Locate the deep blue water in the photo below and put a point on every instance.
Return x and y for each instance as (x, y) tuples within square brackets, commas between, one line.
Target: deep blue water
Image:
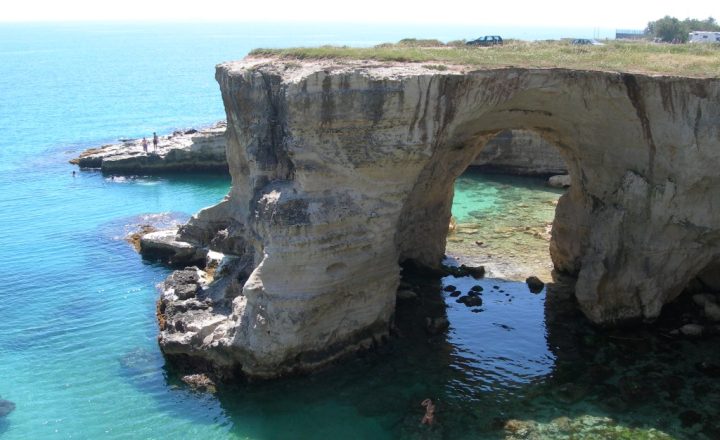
[(78, 352)]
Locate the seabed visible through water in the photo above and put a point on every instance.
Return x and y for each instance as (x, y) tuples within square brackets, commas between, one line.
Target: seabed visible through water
[(503, 223)]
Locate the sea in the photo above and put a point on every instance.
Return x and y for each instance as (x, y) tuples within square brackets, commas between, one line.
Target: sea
[(78, 337)]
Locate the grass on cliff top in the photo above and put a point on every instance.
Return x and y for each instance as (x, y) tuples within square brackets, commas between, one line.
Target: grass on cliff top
[(694, 60)]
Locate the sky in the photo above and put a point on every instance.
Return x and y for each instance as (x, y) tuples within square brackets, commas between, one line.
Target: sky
[(537, 13)]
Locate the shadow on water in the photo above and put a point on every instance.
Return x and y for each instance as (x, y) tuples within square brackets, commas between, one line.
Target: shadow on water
[(505, 369), (516, 363)]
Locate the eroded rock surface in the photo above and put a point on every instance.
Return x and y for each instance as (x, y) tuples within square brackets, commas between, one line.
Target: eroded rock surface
[(189, 150), (164, 245), (341, 171), (520, 152)]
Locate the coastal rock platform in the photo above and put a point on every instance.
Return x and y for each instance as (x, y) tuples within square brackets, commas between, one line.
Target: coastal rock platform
[(188, 150), (341, 171)]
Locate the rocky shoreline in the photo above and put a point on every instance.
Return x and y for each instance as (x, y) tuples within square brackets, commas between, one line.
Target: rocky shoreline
[(183, 150)]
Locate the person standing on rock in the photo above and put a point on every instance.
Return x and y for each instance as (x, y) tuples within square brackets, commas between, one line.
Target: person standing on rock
[(144, 144), (155, 141)]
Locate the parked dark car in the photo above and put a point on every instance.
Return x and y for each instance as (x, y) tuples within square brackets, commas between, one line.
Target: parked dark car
[(487, 40), (586, 41)]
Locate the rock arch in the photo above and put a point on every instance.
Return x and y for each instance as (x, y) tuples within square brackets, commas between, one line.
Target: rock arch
[(342, 171)]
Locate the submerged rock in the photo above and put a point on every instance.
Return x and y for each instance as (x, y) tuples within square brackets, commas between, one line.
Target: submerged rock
[(583, 427), (200, 382), (470, 301), (690, 418), (436, 325), (6, 407), (406, 294), (571, 392), (709, 369)]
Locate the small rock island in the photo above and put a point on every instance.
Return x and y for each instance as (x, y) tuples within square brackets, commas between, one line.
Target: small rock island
[(343, 170)]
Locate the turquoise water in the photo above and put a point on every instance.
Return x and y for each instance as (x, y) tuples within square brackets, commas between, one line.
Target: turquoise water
[(511, 216), (78, 352)]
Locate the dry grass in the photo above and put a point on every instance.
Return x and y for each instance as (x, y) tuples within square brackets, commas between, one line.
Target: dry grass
[(693, 60)]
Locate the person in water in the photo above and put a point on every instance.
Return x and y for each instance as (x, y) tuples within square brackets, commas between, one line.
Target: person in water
[(155, 141), (429, 417), (144, 144)]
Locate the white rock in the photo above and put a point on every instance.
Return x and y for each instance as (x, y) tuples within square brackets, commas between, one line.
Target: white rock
[(561, 181), (691, 330)]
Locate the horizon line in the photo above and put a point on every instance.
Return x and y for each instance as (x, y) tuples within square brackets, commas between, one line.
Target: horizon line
[(308, 22)]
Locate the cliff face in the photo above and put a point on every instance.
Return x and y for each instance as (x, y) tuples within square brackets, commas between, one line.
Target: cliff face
[(342, 171), (520, 152)]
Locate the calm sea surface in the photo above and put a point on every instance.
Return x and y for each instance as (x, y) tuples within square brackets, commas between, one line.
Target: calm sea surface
[(78, 352)]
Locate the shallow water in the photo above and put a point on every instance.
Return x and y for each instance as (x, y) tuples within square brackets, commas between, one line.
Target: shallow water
[(78, 351), (503, 223)]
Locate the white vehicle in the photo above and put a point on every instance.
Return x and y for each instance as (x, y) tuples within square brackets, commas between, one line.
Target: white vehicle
[(704, 37)]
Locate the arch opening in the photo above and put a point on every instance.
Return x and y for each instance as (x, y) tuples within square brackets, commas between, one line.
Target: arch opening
[(504, 206)]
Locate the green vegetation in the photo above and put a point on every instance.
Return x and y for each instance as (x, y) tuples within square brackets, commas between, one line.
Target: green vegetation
[(669, 29), (695, 60)]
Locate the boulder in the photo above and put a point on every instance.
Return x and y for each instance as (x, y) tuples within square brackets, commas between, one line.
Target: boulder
[(165, 246), (535, 284), (470, 301), (184, 283), (561, 181)]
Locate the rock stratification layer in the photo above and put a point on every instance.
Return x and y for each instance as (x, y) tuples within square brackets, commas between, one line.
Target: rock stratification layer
[(520, 152), (341, 171)]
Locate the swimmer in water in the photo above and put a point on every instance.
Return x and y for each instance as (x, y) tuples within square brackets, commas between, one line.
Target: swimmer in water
[(429, 417)]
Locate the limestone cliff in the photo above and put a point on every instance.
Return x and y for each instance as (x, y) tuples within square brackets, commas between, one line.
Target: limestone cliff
[(520, 152), (341, 171), (512, 152)]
